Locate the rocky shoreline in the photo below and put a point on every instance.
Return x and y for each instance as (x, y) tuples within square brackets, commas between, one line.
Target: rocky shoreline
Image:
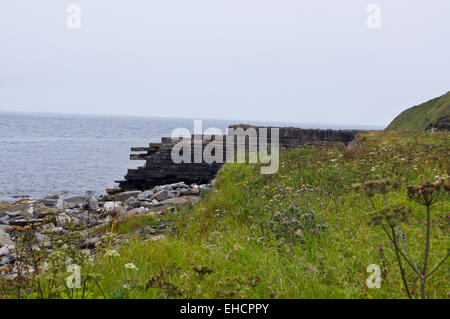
[(52, 217)]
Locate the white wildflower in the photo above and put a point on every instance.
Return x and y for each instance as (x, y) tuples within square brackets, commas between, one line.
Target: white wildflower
[(112, 253), (131, 266)]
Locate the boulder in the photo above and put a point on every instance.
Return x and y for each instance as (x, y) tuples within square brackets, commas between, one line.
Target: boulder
[(24, 222), (175, 201), (76, 200), (49, 202), (90, 243), (5, 239), (130, 201), (4, 251), (155, 202), (110, 206), (172, 194), (179, 185), (14, 214), (43, 240), (161, 195), (60, 206), (63, 220), (55, 196), (5, 220), (145, 195), (126, 195), (93, 204)]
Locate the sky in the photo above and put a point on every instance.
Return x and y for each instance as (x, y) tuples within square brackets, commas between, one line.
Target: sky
[(275, 60)]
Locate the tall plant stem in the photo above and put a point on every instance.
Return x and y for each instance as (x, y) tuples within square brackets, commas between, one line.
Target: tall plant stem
[(400, 263), (425, 260)]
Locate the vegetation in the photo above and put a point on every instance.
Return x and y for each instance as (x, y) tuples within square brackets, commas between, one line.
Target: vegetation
[(309, 231), (432, 114)]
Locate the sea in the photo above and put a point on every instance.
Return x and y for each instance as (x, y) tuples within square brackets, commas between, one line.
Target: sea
[(46, 154)]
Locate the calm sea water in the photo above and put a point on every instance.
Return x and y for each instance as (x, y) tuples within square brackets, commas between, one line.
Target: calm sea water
[(42, 154)]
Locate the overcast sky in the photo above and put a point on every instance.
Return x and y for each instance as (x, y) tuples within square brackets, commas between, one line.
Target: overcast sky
[(287, 60)]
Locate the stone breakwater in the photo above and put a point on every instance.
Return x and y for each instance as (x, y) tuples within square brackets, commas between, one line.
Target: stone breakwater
[(160, 169), (51, 218)]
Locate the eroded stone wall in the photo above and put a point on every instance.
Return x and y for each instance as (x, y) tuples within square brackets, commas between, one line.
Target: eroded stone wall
[(159, 169)]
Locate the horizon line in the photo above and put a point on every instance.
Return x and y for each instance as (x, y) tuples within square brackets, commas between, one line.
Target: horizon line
[(372, 126)]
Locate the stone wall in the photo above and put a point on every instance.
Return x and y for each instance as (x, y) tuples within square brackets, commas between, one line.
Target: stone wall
[(159, 169)]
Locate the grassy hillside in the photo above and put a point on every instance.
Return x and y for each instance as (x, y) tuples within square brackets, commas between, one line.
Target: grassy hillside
[(434, 113), (304, 232)]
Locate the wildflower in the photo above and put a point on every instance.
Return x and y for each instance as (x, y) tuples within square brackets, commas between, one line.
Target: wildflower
[(112, 253), (299, 233), (131, 266)]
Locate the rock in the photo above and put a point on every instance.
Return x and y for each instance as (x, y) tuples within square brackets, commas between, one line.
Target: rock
[(160, 196), (172, 194), (60, 206), (75, 221), (4, 251), (76, 200), (126, 195), (353, 144), (55, 196), (87, 219), (57, 231), (47, 227), (147, 204), (175, 201), (110, 206), (89, 194), (63, 220), (155, 202), (43, 240), (130, 201), (90, 243), (206, 186), (5, 220), (14, 214), (145, 195), (158, 237), (113, 191), (24, 222), (5, 239), (46, 213), (179, 185), (136, 204), (93, 204), (105, 198), (162, 188), (194, 190), (49, 202), (139, 210)]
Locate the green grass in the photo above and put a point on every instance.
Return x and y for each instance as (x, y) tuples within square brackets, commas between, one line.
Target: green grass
[(420, 117), (135, 223), (225, 246), (227, 232)]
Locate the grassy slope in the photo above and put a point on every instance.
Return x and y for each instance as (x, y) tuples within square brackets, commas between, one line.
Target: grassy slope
[(420, 116), (227, 233)]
